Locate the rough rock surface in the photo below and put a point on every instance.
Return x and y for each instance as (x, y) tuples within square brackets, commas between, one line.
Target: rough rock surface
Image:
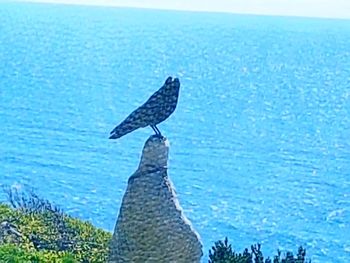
[(151, 226)]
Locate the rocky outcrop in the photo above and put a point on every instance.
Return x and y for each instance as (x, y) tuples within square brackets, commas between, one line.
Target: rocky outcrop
[(9, 233), (151, 226)]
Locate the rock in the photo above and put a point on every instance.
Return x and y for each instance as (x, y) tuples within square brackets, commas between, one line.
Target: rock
[(9, 233), (151, 226)]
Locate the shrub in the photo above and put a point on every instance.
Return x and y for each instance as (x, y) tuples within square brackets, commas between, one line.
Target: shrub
[(34, 230), (222, 252)]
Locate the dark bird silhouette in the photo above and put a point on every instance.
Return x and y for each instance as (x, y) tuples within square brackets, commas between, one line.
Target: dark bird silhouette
[(154, 111)]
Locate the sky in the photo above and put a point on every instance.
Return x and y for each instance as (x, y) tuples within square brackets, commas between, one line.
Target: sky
[(307, 8)]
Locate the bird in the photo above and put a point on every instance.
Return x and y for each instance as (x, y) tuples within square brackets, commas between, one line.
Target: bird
[(154, 111)]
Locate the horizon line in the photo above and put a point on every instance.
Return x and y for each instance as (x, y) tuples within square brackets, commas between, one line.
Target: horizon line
[(218, 11)]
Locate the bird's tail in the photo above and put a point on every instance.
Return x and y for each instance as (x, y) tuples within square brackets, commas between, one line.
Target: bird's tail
[(122, 129)]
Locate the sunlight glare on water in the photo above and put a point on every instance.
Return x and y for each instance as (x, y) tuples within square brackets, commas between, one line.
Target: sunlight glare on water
[(259, 142)]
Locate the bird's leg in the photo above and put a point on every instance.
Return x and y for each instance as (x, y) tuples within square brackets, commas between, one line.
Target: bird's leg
[(156, 130), (159, 133)]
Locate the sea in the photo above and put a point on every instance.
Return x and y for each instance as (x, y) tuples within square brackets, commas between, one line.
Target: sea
[(259, 142)]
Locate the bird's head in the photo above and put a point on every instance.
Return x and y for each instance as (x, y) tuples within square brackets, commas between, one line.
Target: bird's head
[(176, 82), (171, 83)]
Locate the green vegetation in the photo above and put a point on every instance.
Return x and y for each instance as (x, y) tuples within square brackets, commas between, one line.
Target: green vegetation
[(222, 252), (12, 253), (34, 230)]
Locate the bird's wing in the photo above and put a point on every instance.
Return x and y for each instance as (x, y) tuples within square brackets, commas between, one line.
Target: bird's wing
[(144, 115)]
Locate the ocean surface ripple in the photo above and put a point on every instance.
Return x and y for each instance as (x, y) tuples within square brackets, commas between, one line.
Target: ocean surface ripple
[(260, 148)]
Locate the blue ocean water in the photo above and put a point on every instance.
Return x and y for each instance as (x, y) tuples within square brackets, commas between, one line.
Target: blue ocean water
[(260, 148)]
